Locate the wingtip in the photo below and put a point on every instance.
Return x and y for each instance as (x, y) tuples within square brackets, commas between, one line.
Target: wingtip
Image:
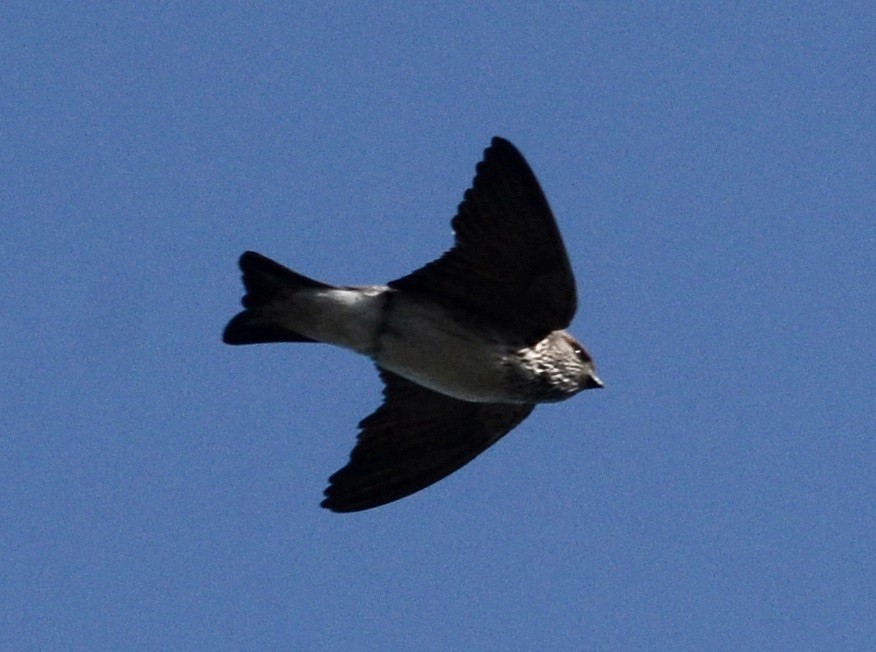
[(500, 142), (339, 506), (326, 503)]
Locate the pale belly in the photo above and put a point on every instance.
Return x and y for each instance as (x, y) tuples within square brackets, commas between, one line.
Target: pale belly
[(423, 344)]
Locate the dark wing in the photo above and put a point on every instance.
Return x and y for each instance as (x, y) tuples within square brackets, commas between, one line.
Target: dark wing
[(508, 263), (416, 438)]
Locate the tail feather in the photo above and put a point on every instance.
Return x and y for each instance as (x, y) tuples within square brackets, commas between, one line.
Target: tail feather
[(267, 284)]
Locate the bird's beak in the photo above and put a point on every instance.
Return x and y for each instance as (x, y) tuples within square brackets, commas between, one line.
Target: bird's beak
[(593, 382)]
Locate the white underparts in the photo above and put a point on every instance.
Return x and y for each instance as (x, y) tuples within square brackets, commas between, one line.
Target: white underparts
[(349, 318), (417, 339)]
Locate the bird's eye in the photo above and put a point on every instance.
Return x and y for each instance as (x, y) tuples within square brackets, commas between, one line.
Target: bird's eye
[(581, 353)]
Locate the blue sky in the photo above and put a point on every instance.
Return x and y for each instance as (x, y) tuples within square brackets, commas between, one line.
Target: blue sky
[(712, 173)]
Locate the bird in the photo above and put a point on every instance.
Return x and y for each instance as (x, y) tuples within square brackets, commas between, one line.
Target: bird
[(466, 346)]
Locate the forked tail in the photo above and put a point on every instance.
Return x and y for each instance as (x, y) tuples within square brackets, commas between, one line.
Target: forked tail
[(268, 285)]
